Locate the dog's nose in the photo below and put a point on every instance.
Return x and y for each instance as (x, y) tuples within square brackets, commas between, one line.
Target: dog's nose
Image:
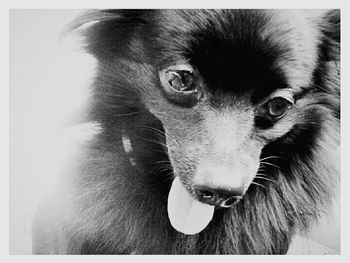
[(218, 196)]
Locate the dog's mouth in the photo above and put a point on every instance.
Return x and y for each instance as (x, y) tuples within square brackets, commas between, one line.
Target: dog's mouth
[(190, 215)]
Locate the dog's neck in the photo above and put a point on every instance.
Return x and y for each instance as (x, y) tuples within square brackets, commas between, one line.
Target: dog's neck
[(128, 149), (144, 149)]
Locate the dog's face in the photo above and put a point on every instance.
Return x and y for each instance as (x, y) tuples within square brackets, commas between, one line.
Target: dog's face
[(225, 84)]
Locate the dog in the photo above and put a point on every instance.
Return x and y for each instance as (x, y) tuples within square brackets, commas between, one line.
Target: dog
[(218, 134)]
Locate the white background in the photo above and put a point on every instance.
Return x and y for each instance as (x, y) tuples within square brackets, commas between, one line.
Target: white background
[(49, 78)]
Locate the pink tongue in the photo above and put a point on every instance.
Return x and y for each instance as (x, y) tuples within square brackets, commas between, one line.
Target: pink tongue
[(186, 214)]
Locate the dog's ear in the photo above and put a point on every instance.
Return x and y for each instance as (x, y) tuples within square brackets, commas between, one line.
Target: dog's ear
[(111, 33), (330, 28)]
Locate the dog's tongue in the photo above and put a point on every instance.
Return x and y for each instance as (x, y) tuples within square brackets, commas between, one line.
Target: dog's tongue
[(186, 214)]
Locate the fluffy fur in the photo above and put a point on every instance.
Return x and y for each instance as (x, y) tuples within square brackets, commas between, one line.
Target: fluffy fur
[(108, 205)]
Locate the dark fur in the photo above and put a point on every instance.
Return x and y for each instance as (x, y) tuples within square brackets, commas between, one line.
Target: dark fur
[(117, 208)]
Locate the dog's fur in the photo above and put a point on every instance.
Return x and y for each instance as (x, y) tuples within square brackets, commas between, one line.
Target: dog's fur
[(114, 200)]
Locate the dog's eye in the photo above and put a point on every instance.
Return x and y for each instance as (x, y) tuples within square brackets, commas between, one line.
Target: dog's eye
[(278, 107), (181, 81), (181, 85)]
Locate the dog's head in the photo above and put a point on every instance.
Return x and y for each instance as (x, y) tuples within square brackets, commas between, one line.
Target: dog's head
[(227, 85)]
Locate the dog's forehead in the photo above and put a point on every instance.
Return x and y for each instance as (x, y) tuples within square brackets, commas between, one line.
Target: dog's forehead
[(274, 48)]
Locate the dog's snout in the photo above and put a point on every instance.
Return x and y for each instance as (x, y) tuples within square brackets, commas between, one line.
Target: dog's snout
[(218, 196)]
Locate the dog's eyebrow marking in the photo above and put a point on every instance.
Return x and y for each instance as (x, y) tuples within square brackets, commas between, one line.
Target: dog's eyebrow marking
[(287, 93), (292, 94)]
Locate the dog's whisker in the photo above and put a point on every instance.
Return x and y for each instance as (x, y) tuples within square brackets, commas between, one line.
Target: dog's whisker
[(126, 114), (270, 157), (164, 161), (164, 169), (264, 178), (262, 174), (153, 141), (259, 184), (166, 136), (152, 129), (270, 164), (168, 176)]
